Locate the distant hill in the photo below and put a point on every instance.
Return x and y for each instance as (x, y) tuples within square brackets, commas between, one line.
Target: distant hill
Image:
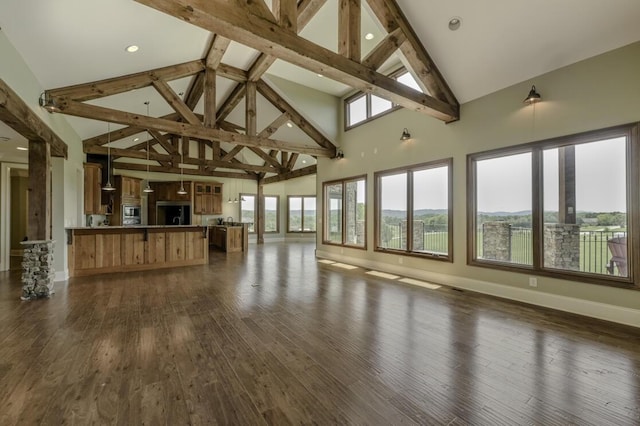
[(520, 213), (422, 212)]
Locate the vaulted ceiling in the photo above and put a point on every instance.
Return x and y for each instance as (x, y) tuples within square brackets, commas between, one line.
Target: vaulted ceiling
[(74, 42)]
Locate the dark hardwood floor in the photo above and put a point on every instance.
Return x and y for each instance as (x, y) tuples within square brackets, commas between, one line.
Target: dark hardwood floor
[(274, 337)]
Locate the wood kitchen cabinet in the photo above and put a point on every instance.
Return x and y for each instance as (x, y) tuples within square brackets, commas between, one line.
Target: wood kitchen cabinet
[(127, 193), (207, 198), (92, 188), (129, 188)]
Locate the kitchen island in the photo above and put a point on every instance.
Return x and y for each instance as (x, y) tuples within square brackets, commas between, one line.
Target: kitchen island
[(230, 237), (107, 249)]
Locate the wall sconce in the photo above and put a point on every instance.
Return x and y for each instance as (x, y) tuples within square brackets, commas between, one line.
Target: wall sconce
[(532, 97), (339, 154), (47, 103), (405, 135)]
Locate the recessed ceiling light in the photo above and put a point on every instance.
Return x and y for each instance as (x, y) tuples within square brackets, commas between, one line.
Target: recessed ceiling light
[(21, 148), (369, 36), (132, 48), (454, 23), (320, 75), (289, 125), (304, 161), (136, 139)]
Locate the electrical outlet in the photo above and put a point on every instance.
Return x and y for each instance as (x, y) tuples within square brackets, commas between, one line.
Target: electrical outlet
[(533, 282), (400, 260), (341, 251)]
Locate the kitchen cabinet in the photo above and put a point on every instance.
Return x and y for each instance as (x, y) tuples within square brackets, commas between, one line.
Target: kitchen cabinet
[(229, 238), (129, 189), (207, 198), (127, 193), (168, 191), (93, 188)]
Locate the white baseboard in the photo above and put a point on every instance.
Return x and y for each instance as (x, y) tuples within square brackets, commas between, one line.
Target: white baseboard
[(61, 276), (587, 308)]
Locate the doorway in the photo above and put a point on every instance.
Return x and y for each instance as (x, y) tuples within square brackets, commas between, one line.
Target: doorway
[(14, 183)]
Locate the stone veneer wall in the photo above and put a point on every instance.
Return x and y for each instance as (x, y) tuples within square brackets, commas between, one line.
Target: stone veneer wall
[(418, 234), (37, 269), (496, 241), (562, 246)]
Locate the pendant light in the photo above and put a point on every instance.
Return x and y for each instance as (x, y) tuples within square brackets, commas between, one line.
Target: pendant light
[(147, 188), (108, 186), (181, 191)]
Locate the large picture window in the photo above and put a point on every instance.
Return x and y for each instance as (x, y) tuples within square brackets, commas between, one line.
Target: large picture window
[(559, 207), (249, 212), (301, 213), (414, 210), (271, 214), (345, 212)]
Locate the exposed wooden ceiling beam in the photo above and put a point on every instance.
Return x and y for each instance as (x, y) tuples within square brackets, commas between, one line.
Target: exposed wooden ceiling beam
[(175, 102), (304, 124), (79, 109), (217, 50), (384, 49), (186, 171), (15, 113), (415, 52), (268, 160), (194, 91), (234, 151), (274, 126), (305, 171), (287, 13), (349, 13), (231, 102), (253, 31), (250, 110), (292, 161), (210, 97), (113, 86), (156, 156)]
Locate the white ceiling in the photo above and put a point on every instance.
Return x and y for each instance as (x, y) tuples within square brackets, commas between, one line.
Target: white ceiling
[(500, 43)]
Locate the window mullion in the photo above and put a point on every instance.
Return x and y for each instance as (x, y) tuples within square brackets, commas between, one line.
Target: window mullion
[(409, 211), (537, 203)]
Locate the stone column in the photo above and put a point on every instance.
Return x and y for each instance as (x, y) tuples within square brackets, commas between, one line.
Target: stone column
[(418, 234), (38, 272), (496, 241), (562, 246)]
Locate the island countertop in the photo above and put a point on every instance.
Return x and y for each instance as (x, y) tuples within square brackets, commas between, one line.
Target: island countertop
[(104, 249)]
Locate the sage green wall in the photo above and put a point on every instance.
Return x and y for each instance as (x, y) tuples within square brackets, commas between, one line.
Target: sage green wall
[(67, 193), (599, 92), (319, 108)]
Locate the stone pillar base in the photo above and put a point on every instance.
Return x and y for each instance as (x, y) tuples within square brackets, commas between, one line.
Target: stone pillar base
[(38, 273)]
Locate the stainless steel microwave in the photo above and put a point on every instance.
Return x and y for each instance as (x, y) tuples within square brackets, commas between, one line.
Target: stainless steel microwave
[(131, 215)]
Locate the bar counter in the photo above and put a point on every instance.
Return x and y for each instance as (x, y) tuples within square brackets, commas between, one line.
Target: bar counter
[(104, 249)]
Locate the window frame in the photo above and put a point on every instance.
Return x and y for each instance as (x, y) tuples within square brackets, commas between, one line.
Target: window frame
[(377, 205), (536, 148), (277, 197), (325, 221), (302, 197), (394, 107), (255, 211)]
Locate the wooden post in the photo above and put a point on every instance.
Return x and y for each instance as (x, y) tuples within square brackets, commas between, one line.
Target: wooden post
[(567, 179), (250, 109), (39, 191), (260, 214)]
